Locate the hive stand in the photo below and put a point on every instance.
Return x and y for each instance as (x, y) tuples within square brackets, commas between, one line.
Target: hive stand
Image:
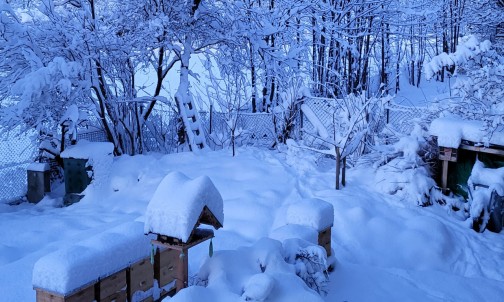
[(178, 252)]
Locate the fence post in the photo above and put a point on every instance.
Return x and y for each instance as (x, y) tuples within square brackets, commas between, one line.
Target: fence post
[(338, 166), (300, 112), (210, 118)]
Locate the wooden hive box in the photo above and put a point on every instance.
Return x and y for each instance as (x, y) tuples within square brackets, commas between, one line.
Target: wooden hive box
[(324, 240), (140, 277), (165, 266), (113, 288), (86, 294)]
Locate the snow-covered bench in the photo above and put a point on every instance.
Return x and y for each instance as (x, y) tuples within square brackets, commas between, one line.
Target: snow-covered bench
[(112, 266)]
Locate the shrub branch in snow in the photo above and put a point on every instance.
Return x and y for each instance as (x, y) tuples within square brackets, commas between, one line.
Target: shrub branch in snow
[(266, 271), (312, 268), (403, 171)]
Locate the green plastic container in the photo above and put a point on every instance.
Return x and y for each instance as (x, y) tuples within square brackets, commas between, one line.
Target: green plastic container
[(76, 175)]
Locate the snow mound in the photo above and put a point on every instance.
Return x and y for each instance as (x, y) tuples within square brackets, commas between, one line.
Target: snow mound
[(295, 231), (75, 266), (255, 273), (258, 287), (313, 212), (408, 242), (492, 178), (177, 204)]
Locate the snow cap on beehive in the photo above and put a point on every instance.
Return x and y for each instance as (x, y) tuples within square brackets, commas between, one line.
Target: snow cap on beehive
[(312, 212), (180, 204)]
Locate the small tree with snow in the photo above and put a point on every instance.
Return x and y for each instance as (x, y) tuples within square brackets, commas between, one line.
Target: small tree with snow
[(286, 113), (230, 94), (349, 128)]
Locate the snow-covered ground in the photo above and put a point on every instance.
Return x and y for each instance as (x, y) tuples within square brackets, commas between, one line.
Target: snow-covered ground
[(386, 249)]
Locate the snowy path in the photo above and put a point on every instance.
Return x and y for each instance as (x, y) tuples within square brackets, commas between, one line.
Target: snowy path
[(386, 249)]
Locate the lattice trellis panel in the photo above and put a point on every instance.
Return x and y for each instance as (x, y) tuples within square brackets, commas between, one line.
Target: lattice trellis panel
[(253, 128), (403, 118), (16, 154)]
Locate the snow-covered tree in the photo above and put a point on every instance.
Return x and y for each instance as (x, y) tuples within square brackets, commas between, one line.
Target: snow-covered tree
[(477, 92), (348, 129), (57, 53)]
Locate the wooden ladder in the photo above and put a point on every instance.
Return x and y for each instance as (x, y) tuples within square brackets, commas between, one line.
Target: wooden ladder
[(192, 124)]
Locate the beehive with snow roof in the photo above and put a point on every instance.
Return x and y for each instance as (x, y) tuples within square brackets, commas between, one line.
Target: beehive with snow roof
[(460, 142), (311, 213), (472, 167), (180, 205)]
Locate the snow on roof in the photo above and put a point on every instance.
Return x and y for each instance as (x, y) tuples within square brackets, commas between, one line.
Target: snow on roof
[(85, 149), (70, 268), (312, 212), (450, 131), (177, 204)]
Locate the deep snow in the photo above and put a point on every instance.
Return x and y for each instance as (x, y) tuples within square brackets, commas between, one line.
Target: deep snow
[(387, 249)]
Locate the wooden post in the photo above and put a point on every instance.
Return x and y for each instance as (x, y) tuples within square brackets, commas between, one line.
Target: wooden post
[(444, 176), (338, 166), (182, 269), (343, 172)]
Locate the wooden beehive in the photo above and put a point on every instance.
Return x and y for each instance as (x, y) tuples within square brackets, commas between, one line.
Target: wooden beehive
[(165, 266), (140, 277), (324, 240), (113, 288), (86, 294)]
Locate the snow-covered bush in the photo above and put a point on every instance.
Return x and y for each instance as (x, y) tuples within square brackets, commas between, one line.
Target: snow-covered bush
[(266, 271), (310, 262), (482, 184), (403, 171)]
